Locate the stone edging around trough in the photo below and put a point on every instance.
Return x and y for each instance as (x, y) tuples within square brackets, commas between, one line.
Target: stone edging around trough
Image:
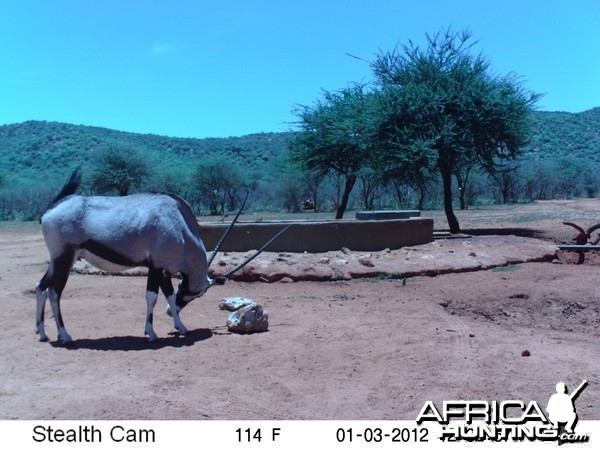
[(435, 258)]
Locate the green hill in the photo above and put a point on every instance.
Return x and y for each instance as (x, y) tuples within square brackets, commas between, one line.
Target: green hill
[(557, 134), (32, 149)]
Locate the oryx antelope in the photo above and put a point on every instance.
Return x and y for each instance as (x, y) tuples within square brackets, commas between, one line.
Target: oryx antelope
[(158, 231)]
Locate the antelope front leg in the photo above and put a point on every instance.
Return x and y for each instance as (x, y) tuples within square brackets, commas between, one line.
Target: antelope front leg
[(173, 310), (152, 285), (166, 287), (151, 298)]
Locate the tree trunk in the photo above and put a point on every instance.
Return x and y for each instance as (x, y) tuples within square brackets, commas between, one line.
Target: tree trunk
[(213, 208), (399, 193), (462, 181), (447, 182), (313, 187), (504, 191), (350, 180), (461, 198), (421, 202)]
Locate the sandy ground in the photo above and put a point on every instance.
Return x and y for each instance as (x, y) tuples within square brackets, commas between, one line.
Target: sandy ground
[(379, 335)]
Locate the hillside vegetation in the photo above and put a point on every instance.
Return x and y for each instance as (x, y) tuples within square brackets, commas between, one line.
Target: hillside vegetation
[(36, 157), (49, 149), (560, 134)]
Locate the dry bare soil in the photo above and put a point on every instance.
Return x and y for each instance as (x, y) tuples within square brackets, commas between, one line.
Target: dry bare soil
[(379, 335)]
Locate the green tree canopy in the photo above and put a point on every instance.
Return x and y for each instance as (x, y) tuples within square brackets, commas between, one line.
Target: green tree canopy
[(337, 136), (118, 167), (442, 106)]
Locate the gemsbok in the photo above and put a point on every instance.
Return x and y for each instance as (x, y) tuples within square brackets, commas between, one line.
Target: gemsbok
[(158, 231)]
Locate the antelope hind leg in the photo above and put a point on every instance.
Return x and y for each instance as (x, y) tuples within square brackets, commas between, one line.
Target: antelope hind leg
[(41, 296)]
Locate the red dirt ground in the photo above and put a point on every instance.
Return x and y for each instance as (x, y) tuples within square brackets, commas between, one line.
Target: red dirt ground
[(376, 341)]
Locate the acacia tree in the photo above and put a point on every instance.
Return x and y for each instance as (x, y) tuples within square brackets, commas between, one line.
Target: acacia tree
[(443, 105), (337, 136), (216, 182), (118, 167)]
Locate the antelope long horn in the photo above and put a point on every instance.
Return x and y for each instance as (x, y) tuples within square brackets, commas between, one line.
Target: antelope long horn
[(577, 227), (229, 228), (593, 228), (222, 279)]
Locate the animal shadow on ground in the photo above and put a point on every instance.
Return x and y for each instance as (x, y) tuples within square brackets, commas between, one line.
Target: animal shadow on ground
[(137, 343)]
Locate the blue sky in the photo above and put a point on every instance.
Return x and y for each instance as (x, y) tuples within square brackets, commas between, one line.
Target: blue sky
[(229, 68)]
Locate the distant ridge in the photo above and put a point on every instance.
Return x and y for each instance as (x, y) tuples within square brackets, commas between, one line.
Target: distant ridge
[(561, 133), (34, 147), (31, 147)]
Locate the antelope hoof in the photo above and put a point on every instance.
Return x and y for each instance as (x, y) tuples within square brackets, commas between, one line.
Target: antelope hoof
[(182, 331), (65, 338), (42, 335), (152, 337), (65, 343)]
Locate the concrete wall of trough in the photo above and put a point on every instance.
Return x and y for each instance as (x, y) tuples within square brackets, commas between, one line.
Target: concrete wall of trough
[(321, 236), (388, 215)]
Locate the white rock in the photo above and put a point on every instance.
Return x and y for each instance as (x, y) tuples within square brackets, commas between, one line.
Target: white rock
[(249, 319), (234, 303)]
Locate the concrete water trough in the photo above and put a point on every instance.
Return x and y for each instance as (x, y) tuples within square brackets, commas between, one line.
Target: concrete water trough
[(321, 236), (388, 215)]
